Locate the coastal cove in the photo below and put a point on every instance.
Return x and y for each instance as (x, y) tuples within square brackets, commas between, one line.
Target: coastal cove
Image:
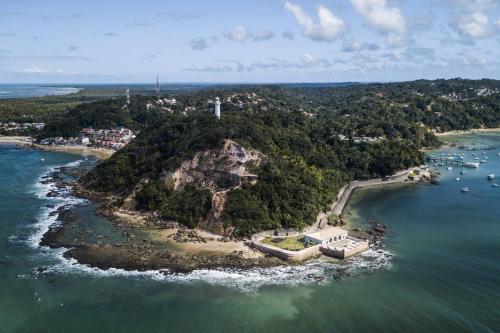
[(440, 266)]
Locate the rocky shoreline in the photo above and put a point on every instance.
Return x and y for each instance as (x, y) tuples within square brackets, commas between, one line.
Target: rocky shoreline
[(133, 254), (142, 254)]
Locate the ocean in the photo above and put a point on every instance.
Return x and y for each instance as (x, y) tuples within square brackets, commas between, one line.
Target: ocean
[(439, 270), (32, 90)]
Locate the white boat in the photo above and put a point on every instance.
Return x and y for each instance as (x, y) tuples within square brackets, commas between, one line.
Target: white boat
[(42, 159), (465, 189), (483, 161), (477, 158), (491, 177), (450, 168), (457, 179), (495, 185), (471, 165)]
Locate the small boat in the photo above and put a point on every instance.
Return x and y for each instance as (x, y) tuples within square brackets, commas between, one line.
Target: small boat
[(42, 159), (450, 168), (471, 165), (462, 172), (465, 189), (457, 179), (495, 185), (473, 154), (483, 161), (477, 158), (491, 177)]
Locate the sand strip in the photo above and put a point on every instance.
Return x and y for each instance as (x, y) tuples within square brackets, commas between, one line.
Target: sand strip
[(101, 153), (465, 132)]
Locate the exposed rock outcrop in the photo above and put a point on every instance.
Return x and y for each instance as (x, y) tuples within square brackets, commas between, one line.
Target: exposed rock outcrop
[(219, 170)]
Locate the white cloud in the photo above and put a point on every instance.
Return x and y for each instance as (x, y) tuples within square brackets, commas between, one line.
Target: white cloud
[(471, 19), (475, 5), (198, 44), (38, 70), (475, 25), (240, 34), (305, 62), (354, 46), (379, 16), (263, 36), (396, 40), (328, 29)]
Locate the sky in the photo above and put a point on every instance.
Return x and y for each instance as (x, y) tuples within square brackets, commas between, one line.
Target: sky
[(69, 41)]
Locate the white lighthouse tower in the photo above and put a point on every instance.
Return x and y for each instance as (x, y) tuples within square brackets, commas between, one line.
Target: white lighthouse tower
[(217, 107)]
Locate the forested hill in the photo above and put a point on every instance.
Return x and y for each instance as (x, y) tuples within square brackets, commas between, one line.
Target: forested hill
[(305, 164), (313, 141)]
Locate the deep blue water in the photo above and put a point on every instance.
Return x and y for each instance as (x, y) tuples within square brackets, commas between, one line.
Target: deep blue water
[(444, 275)]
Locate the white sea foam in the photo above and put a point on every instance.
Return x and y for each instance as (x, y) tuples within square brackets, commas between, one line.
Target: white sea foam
[(44, 219), (249, 280), (312, 272)]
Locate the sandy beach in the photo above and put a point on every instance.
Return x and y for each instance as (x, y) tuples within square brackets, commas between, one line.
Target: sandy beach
[(100, 153), (465, 132), (15, 140), (213, 244), (25, 141)]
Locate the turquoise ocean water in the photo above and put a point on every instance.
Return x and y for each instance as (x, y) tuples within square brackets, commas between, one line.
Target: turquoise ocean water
[(439, 270)]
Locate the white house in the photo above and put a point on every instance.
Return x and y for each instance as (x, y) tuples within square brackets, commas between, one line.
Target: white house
[(326, 236)]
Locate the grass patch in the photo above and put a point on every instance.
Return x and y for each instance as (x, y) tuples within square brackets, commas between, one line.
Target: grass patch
[(293, 243)]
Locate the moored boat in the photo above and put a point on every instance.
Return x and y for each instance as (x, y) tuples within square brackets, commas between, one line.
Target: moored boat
[(465, 189), (471, 165), (491, 177)]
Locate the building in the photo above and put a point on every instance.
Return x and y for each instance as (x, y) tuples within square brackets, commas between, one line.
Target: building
[(326, 236), (217, 107)]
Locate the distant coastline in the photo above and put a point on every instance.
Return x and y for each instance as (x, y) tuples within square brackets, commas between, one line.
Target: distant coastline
[(466, 132), (8, 91)]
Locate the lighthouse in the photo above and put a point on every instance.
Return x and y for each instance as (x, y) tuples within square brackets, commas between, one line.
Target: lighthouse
[(217, 107)]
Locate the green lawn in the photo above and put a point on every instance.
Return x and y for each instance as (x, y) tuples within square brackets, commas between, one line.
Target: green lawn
[(293, 243)]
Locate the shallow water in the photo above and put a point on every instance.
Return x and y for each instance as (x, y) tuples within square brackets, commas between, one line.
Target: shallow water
[(31, 90), (439, 271)]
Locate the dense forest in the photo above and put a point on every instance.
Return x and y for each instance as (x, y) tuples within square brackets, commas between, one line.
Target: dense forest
[(306, 165), (316, 138)]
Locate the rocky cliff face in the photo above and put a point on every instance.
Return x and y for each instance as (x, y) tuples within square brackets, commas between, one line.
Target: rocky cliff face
[(219, 170), (216, 169)]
